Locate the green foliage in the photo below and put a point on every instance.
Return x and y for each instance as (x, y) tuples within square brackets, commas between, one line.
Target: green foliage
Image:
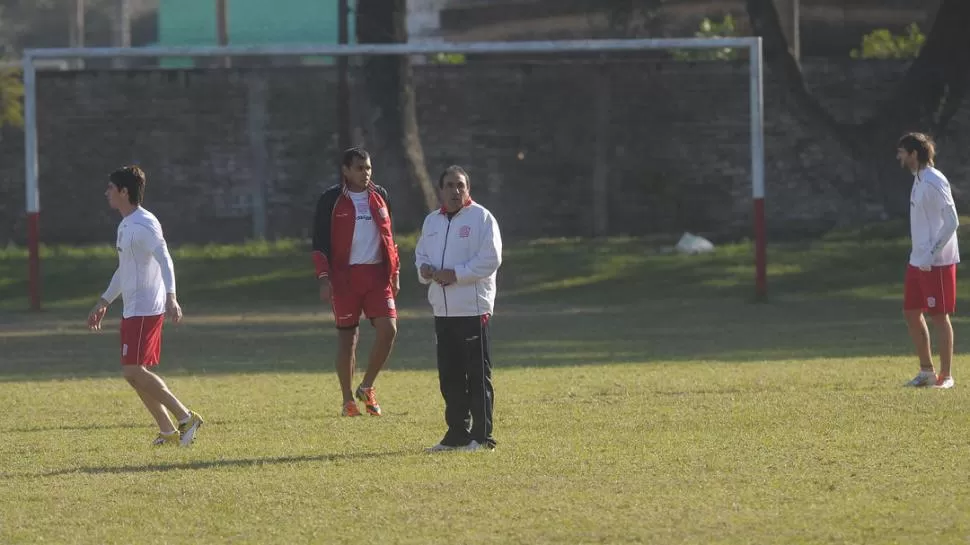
[(882, 44), (447, 58), (726, 28), (11, 96)]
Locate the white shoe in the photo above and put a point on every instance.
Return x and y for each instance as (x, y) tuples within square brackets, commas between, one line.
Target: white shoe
[(944, 383), (189, 428), (441, 448), (924, 378), (472, 447)]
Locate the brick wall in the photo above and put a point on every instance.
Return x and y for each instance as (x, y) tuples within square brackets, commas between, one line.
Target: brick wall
[(677, 141)]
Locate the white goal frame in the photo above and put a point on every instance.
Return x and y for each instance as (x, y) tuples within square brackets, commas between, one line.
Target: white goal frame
[(34, 59)]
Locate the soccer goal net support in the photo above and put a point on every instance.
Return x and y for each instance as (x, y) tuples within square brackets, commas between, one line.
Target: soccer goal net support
[(639, 137)]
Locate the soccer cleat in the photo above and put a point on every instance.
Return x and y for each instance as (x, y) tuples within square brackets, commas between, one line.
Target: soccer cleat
[(924, 378), (166, 439), (370, 400), (350, 409), (944, 383), (187, 430)]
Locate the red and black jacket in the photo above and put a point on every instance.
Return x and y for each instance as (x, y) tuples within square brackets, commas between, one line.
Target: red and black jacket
[(333, 232)]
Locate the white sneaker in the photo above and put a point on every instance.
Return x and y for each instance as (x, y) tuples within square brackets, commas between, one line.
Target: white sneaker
[(188, 429), (924, 378), (472, 447), (441, 448), (944, 383)]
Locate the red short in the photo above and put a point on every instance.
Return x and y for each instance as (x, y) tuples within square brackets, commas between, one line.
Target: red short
[(141, 340), (933, 291), (367, 290)]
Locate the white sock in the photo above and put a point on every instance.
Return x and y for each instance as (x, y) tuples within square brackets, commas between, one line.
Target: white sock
[(186, 419)]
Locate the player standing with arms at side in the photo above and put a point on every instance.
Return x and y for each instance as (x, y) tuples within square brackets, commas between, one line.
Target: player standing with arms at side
[(931, 277), (358, 270), (460, 251), (145, 280)]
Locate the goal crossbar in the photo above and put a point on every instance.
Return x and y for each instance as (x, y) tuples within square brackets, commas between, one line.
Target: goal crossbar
[(32, 61), (420, 48)]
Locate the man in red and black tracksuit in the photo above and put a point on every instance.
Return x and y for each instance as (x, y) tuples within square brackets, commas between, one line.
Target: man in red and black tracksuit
[(358, 270)]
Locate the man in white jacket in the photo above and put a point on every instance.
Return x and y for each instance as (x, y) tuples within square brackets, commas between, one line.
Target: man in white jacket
[(931, 277), (458, 255)]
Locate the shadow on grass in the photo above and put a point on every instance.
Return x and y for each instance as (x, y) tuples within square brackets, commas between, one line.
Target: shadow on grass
[(87, 427), (211, 464), (562, 303), (536, 335), (584, 272)]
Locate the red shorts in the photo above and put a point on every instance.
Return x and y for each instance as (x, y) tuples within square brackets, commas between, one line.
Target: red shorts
[(366, 290), (141, 340), (933, 291)]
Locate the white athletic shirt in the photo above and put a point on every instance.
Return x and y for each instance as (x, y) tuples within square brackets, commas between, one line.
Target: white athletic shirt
[(930, 206), (366, 247), (145, 271)]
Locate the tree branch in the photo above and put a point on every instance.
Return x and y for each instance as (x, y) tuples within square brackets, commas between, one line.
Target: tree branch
[(765, 22)]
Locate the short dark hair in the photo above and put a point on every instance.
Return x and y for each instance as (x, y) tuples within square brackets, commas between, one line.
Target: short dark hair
[(354, 153), (922, 144), (131, 178), (453, 169)]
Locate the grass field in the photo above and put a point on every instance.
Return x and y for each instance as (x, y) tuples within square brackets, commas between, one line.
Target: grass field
[(641, 397)]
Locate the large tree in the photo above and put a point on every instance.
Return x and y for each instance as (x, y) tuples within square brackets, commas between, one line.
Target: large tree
[(926, 99), (390, 89)]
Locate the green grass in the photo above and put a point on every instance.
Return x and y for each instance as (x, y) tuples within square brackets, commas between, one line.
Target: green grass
[(641, 398)]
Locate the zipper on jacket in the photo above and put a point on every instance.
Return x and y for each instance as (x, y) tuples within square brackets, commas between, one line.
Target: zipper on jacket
[(443, 250)]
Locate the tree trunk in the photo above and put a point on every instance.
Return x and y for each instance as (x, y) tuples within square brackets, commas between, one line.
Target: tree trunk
[(928, 96), (122, 30), (76, 30), (390, 89), (926, 100), (936, 82)]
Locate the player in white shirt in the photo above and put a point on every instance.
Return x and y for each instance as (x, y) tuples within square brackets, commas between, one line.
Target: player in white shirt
[(931, 277), (145, 280)]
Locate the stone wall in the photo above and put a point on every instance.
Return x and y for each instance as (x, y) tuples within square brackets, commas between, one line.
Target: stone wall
[(216, 144)]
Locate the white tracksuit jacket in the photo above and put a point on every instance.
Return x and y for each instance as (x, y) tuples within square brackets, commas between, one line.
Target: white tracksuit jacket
[(471, 244)]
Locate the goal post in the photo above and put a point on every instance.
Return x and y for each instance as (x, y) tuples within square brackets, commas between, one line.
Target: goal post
[(34, 59)]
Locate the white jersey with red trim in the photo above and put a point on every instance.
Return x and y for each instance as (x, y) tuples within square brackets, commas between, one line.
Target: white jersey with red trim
[(932, 220), (145, 272)]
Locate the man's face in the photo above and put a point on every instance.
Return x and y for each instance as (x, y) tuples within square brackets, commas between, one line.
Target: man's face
[(907, 160), (116, 199), (358, 173), (454, 191)]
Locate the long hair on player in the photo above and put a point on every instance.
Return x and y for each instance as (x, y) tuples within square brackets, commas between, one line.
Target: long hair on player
[(922, 144)]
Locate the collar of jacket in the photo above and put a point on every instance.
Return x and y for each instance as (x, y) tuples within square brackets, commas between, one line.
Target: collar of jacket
[(468, 203)]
